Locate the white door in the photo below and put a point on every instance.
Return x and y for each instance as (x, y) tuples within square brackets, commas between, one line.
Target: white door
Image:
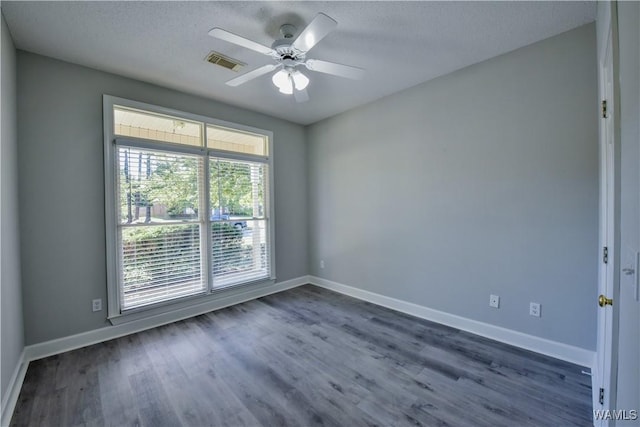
[(604, 372)]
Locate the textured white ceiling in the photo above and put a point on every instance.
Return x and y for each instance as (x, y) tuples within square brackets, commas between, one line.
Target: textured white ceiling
[(399, 44)]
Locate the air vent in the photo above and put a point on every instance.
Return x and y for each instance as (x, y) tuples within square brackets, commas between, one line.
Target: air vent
[(224, 61)]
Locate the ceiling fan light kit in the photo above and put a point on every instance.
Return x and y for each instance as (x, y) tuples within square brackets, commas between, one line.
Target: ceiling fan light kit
[(288, 56), (288, 80)]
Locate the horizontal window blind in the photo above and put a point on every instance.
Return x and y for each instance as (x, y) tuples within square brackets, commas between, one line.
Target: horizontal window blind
[(159, 231), (240, 251), (160, 262), (239, 254)]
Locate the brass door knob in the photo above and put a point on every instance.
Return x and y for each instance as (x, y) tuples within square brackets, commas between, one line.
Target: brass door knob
[(602, 301)]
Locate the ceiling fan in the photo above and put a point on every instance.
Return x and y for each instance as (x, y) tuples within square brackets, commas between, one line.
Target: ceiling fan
[(289, 55)]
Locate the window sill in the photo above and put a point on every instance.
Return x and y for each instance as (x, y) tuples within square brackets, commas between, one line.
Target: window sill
[(194, 305)]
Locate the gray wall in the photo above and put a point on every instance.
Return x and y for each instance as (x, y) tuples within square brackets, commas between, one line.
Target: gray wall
[(62, 188), (12, 338), (482, 181), (629, 308)]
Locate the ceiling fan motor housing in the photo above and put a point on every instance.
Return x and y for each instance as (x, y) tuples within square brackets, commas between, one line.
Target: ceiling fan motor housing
[(287, 54)]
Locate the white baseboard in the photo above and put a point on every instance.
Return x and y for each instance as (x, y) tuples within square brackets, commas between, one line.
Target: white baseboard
[(13, 390), (60, 345), (577, 355)]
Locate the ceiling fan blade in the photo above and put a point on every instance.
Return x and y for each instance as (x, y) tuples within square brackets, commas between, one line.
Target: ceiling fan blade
[(340, 70), (314, 32), (252, 75), (225, 35)]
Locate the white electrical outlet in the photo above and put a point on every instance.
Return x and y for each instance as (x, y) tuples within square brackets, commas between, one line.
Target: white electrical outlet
[(321, 263), (534, 309), (494, 301), (96, 305)]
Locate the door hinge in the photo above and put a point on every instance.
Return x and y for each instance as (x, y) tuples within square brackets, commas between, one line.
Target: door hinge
[(601, 396), (604, 108), (605, 255)]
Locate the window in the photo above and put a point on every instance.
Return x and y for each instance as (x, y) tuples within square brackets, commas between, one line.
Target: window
[(188, 205)]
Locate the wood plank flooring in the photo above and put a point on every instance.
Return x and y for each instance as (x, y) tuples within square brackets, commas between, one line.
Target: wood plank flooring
[(304, 357)]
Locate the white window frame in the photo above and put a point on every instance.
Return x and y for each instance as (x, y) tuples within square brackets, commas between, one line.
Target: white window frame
[(115, 312)]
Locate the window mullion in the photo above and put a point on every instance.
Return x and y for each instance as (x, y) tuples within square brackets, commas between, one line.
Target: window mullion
[(205, 232)]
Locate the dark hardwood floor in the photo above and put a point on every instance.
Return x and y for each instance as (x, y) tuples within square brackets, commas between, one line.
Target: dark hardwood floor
[(304, 357)]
